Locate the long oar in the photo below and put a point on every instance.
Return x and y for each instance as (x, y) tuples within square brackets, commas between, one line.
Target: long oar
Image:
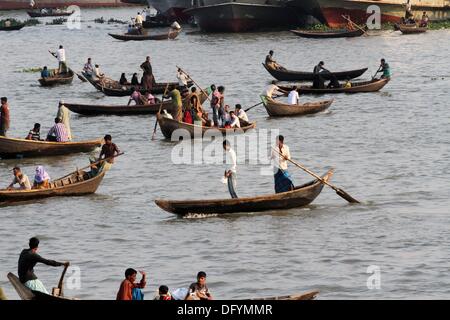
[(160, 106), (82, 78), (343, 16), (60, 290), (203, 91), (339, 191), (258, 104), (92, 164)]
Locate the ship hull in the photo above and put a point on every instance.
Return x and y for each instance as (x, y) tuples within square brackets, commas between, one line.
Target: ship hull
[(25, 4), (241, 17), (391, 11), (172, 9)]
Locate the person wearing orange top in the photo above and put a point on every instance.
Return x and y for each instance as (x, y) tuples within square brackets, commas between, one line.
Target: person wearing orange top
[(129, 289)]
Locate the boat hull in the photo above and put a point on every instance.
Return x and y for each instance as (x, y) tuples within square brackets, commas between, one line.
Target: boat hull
[(128, 37), (300, 197), (328, 34), (276, 109), (172, 9), (11, 148), (12, 28), (357, 87), (240, 17), (25, 4), (391, 11)]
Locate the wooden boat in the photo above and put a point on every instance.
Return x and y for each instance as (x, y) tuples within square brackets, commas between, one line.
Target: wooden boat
[(12, 28), (288, 75), (411, 28), (277, 109), (76, 184), (302, 296), (19, 148), (165, 36), (299, 197), (361, 86), (49, 13), (61, 78), (123, 110), (169, 126), (113, 88), (337, 33)]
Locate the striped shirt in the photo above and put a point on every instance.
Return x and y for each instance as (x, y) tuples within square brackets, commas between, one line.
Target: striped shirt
[(60, 132)]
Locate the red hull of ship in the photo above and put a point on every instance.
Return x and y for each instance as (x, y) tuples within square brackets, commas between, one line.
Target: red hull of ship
[(333, 17)]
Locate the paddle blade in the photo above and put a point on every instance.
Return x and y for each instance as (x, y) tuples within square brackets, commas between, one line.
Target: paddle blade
[(346, 196), (81, 77)]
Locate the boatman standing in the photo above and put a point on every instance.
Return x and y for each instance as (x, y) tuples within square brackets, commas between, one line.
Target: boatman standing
[(280, 155), (147, 79), (64, 115), (61, 55), (230, 171), (4, 116), (27, 260), (385, 68)]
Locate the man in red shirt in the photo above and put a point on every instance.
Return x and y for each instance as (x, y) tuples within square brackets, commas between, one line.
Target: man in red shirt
[(127, 285), (4, 116)]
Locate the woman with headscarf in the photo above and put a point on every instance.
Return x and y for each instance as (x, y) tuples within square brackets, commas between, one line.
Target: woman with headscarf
[(41, 178)]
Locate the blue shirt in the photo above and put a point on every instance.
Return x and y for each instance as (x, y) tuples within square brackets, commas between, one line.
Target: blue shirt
[(45, 74)]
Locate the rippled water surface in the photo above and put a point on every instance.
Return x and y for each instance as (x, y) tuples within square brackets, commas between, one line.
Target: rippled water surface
[(389, 149)]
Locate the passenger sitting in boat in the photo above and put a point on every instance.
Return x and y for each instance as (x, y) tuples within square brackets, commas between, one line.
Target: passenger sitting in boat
[(130, 29), (21, 179), (293, 97), (187, 116), (27, 260), (58, 132), (240, 113), (235, 123), (334, 83), (424, 21), (129, 289), (95, 168), (199, 290), (137, 97), (123, 80), (97, 73), (35, 133), (272, 63), (149, 98), (347, 84), (88, 68), (196, 107), (135, 80), (45, 73), (225, 117), (41, 178), (164, 293)]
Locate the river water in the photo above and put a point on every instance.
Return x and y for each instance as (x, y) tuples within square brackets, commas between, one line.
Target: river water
[(389, 150)]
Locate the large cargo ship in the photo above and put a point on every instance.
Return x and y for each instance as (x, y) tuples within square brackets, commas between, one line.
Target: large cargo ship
[(331, 11), (25, 4), (172, 9), (242, 15)]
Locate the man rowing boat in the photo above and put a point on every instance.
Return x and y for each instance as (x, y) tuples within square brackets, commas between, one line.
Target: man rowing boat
[(27, 260), (385, 68), (283, 181)]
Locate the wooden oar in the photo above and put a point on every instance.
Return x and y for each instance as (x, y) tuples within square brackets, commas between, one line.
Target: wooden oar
[(339, 191), (343, 16), (203, 91), (160, 106), (92, 164), (258, 104), (59, 291), (82, 78)]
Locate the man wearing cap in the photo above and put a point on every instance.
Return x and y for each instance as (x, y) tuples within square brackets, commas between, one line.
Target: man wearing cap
[(64, 115)]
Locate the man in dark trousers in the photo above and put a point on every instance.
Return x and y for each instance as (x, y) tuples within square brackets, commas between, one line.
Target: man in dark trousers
[(4, 116), (147, 79)]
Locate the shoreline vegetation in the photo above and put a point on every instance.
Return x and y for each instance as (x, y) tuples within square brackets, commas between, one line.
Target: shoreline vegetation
[(432, 25)]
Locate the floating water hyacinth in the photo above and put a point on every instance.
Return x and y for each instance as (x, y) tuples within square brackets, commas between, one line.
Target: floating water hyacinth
[(57, 21), (31, 70)]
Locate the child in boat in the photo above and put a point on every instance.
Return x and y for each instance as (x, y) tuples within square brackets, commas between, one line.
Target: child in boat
[(199, 290), (164, 293), (129, 289)]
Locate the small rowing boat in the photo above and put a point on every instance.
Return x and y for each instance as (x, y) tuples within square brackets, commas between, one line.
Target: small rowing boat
[(49, 13), (186, 130), (171, 35), (278, 109), (283, 74), (338, 33), (113, 88), (60, 78), (361, 86), (124, 110), (75, 184), (12, 27), (299, 197), (302, 296), (19, 148), (411, 28)]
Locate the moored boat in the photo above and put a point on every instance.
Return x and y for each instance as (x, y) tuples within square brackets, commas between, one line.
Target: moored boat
[(113, 88), (59, 78), (340, 33), (299, 197), (18, 148), (360, 86), (411, 29), (284, 74), (277, 109), (173, 129), (49, 13), (172, 34), (75, 184), (12, 27), (173, 10)]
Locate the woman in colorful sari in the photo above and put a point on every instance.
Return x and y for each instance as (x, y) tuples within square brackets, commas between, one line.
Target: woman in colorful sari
[(41, 178)]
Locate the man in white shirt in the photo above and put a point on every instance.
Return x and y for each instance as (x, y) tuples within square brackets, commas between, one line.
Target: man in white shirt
[(280, 155), (241, 113), (293, 97), (235, 123), (230, 172), (138, 20), (273, 89), (20, 179), (61, 55), (182, 79)]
